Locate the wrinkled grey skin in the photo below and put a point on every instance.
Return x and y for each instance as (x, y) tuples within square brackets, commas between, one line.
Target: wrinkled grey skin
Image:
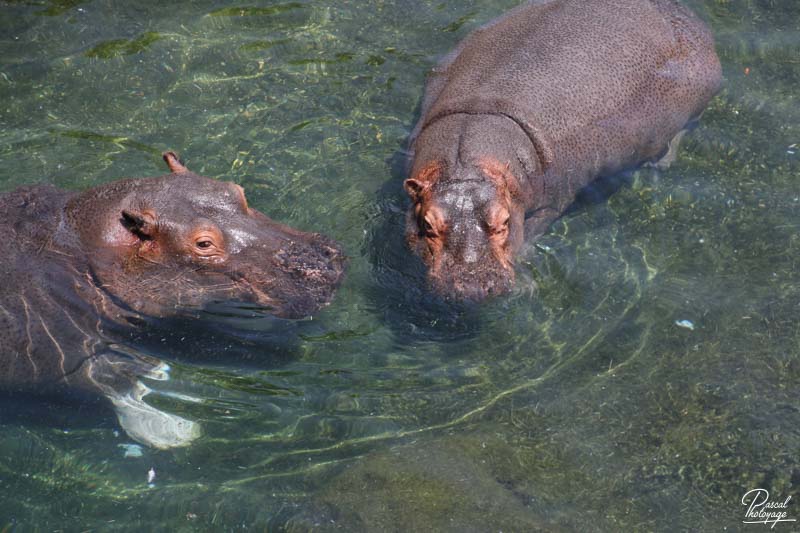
[(529, 109), (81, 268)]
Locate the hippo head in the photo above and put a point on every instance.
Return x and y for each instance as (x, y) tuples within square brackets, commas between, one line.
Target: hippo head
[(178, 242), (467, 225)]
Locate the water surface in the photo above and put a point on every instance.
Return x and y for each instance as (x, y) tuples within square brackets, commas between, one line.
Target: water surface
[(643, 376)]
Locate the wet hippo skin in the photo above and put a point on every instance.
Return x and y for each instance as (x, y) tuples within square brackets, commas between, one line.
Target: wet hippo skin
[(529, 109), (82, 268)]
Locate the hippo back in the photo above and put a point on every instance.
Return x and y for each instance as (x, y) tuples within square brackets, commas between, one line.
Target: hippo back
[(42, 317), (598, 85)]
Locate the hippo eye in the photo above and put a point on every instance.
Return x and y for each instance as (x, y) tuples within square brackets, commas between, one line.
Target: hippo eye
[(207, 243), (502, 228)]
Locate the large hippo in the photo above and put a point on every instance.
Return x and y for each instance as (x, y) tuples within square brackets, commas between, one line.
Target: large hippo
[(529, 109), (81, 268)]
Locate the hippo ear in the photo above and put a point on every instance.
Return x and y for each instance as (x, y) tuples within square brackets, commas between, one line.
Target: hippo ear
[(174, 162), (420, 182), (501, 175), (142, 224), (416, 189)]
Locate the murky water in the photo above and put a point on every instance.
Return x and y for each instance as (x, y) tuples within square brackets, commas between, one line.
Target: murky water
[(647, 383)]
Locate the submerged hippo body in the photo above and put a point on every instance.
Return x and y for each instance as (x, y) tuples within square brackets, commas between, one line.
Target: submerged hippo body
[(532, 107), (84, 267)]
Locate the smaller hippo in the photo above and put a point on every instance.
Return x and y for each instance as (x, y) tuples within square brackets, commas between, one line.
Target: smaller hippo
[(84, 268), (529, 109)]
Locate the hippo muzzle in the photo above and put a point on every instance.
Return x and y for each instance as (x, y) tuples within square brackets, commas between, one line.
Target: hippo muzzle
[(466, 282), (304, 276)]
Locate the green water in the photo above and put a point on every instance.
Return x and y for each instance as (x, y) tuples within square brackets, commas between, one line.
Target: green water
[(578, 406)]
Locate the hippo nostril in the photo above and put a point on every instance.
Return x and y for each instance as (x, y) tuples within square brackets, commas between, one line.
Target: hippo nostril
[(474, 286), (331, 254), (468, 292)]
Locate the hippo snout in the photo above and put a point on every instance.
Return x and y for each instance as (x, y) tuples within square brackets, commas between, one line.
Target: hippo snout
[(473, 286), (307, 275), (320, 259)]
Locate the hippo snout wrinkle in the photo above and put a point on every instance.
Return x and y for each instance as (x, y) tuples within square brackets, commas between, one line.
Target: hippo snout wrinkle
[(534, 106)]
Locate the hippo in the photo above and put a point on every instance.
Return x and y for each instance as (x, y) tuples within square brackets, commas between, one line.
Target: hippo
[(84, 268), (529, 109)]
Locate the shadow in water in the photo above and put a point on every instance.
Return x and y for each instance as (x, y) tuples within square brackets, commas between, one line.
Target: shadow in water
[(229, 335), (55, 409), (599, 191)]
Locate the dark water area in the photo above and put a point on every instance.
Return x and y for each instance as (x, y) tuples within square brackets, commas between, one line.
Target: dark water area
[(643, 376)]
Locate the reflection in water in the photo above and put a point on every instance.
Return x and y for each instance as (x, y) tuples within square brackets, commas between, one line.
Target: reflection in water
[(575, 403)]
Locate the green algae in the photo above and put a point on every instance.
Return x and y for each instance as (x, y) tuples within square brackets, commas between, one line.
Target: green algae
[(123, 47), (252, 11)]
